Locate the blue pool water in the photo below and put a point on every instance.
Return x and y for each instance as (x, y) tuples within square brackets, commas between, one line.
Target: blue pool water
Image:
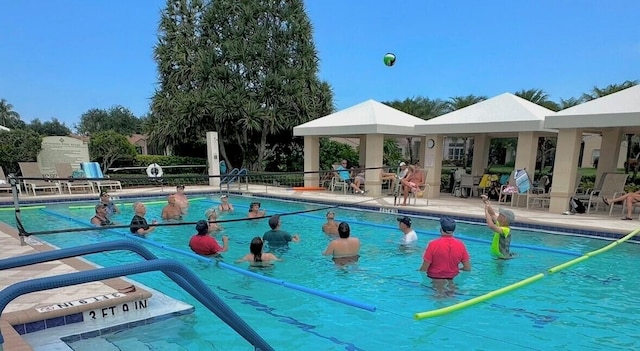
[(592, 301)]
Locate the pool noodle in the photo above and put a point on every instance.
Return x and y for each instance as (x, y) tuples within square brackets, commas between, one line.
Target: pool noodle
[(22, 208), (131, 236), (476, 300), (461, 237), (441, 311), (305, 289), (131, 203)]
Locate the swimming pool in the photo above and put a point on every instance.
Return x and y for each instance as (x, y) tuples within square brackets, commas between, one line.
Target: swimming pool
[(591, 301)]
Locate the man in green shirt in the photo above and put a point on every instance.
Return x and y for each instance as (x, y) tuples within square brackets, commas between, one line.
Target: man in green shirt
[(276, 237)]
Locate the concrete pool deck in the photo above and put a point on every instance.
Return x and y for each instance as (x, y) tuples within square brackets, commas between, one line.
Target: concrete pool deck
[(24, 309)]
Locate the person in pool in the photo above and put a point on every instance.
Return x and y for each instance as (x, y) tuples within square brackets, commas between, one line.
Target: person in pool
[(345, 249), (139, 225), (105, 199), (442, 258), (277, 237), (225, 206), (212, 216), (204, 244), (256, 257), (500, 224), (255, 211), (181, 199), (331, 227), (101, 218), (171, 210)]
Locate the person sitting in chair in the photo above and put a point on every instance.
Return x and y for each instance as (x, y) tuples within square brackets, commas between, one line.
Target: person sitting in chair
[(345, 175), (393, 177), (629, 198), (412, 182)]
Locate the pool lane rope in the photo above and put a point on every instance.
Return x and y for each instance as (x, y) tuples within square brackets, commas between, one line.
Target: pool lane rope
[(131, 203), (521, 283)]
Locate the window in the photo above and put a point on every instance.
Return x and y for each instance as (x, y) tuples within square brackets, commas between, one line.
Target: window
[(595, 154), (456, 151)]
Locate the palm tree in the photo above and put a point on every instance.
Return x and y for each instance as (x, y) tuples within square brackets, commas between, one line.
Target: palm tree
[(539, 97), (8, 117), (609, 89), (570, 102)]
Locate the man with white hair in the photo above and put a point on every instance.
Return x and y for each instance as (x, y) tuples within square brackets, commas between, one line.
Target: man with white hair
[(500, 224)]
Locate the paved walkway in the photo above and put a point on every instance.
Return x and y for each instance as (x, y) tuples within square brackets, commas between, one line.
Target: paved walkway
[(23, 309)]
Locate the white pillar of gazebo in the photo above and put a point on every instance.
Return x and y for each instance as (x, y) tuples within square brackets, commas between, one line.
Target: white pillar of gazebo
[(432, 163), (609, 151), (362, 148), (526, 154), (374, 151), (565, 169), (311, 160), (480, 159)]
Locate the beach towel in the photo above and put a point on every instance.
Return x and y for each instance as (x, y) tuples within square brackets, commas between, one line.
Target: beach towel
[(522, 181)]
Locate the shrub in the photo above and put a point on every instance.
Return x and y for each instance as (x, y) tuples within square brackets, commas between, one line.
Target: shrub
[(163, 161)]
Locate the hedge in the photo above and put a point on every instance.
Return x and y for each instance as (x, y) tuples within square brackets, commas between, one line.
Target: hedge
[(163, 161)]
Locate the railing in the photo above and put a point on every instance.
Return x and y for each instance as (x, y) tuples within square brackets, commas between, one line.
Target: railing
[(176, 271)]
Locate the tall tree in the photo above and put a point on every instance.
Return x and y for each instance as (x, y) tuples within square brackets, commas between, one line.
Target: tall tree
[(609, 89), (18, 145), (49, 128), (8, 117), (570, 102), (246, 69), (421, 107), (109, 147), (538, 96), (117, 118)]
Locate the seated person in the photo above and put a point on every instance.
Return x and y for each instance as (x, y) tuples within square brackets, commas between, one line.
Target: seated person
[(331, 227), (139, 225), (345, 175), (394, 177), (344, 249), (225, 206), (255, 211), (212, 217), (276, 237), (105, 199), (203, 244), (629, 198), (412, 182), (101, 218), (256, 257), (171, 210)]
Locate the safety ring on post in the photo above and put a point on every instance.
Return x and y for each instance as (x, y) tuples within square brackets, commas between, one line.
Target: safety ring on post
[(154, 171)]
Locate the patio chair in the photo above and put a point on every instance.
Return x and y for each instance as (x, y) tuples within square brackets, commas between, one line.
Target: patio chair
[(92, 170), (64, 170), (523, 184), (422, 188), (538, 194), (4, 183), (612, 186), (337, 181), (32, 170)]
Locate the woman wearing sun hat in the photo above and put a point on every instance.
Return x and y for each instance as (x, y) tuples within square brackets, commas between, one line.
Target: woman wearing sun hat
[(225, 206)]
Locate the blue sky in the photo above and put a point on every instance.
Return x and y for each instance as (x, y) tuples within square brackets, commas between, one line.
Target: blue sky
[(59, 58)]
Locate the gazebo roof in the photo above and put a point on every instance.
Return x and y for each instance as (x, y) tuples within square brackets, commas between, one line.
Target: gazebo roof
[(621, 109), (369, 117), (502, 114)]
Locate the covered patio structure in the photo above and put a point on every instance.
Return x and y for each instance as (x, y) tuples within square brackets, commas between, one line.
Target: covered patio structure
[(503, 116), (370, 121), (611, 116)]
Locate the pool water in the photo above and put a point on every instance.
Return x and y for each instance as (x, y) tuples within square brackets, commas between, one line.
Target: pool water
[(591, 301)]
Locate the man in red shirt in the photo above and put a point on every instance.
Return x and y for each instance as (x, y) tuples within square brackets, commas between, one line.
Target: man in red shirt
[(204, 244), (442, 258)]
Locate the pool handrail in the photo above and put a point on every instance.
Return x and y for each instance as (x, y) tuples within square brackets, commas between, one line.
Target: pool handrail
[(176, 271)]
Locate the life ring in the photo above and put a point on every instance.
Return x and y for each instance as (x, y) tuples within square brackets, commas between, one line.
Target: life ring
[(154, 171)]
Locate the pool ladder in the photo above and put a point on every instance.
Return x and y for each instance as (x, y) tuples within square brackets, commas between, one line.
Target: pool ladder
[(176, 271)]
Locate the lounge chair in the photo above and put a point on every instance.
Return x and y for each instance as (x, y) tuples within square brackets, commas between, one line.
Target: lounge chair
[(612, 186), (4, 183), (538, 194), (93, 171), (64, 170), (32, 170)]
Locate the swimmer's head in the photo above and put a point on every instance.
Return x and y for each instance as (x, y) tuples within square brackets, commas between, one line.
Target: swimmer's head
[(254, 206), (506, 217), (331, 215), (343, 230), (274, 222), (211, 213), (256, 245), (404, 220), (447, 225), (202, 227)]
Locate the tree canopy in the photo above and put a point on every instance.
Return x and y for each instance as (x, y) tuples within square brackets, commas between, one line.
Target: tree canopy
[(49, 128), (117, 118), (18, 145), (246, 69), (109, 147)]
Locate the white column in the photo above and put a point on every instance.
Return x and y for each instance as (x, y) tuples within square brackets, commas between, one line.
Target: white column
[(311, 160), (432, 165), (565, 169), (213, 158), (362, 149), (480, 159), (373, 157), (609, 151)]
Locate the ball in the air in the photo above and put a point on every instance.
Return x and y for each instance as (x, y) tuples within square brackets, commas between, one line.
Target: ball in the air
[(389, 59)]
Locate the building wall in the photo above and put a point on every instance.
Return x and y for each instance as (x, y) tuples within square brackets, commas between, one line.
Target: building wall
[(592, 150)]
